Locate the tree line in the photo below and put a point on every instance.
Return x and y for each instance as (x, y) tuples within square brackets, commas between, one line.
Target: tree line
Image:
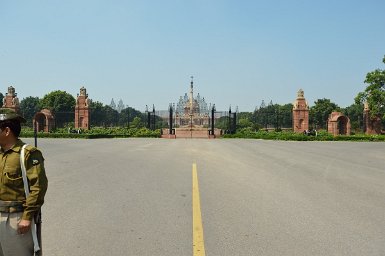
[(278, 117), (62, 105), (275, 116)]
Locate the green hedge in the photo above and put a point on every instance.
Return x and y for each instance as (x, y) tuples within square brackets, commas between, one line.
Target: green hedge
[(117, 132), (95, 133), (322, 136)]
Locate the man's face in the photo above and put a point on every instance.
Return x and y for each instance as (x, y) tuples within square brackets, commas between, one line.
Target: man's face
[(4, 133)]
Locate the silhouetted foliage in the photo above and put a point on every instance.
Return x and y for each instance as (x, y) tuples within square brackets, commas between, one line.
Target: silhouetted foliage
[(29, 107)]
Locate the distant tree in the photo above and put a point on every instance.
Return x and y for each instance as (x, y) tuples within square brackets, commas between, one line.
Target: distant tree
[(374, 93), (273, 115), (259, 116), (355, 114), (319, 113), (245, 115), (58, 101), (137, 122), (111, 116), (104, 115), (97, 113), (221, 123), (268, 116), (160, 122), (286, 115), (1, 98), (245, 120), (128, 114), (29, 107), (62, 106), (245, 123)]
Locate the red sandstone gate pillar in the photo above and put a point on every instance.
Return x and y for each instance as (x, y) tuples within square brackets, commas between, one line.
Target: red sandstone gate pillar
[(82, 111), (300, 113), (11, 100)]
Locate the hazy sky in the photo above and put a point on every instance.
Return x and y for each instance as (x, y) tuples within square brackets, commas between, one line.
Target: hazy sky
[(144, 52)]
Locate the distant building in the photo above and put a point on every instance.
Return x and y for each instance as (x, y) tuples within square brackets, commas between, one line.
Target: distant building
[(192, 111), (120, 106), (112, 104)]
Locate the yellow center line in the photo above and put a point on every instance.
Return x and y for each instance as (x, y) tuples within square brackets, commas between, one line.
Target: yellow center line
[(198, 242)]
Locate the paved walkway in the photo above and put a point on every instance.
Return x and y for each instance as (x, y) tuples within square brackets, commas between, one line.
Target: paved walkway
[(135, 197)]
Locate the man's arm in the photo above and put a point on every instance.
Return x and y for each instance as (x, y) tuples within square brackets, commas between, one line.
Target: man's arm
[(37, 180)]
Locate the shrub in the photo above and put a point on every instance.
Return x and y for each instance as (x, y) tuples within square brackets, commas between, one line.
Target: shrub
[(284, 135), (95, 133)]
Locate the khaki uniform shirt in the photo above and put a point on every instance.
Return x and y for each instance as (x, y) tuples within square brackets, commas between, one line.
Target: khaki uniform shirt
[(11, 180)]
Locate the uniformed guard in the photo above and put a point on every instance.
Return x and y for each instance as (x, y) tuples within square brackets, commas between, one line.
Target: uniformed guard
[(17, 211)]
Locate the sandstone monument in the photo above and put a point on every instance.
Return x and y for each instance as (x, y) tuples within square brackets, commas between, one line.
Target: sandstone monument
[(190, 111), (300, 113), (82, 110), (192, 118), (338, 124), (44, 121), (11, 100)]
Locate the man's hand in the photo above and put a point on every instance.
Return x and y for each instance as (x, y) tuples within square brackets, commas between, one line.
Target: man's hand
[(23, 226)]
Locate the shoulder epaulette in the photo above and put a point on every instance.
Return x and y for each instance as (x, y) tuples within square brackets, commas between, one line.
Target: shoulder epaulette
[(30, 148)]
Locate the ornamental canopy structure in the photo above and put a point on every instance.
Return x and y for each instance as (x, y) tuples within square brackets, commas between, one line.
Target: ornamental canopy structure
[(43, 121)]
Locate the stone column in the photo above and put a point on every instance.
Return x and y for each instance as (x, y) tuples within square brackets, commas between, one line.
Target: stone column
[(300, 113), (11, 100), (82, 111)]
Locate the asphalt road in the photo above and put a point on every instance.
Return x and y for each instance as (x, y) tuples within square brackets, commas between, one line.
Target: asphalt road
[(134, 197)]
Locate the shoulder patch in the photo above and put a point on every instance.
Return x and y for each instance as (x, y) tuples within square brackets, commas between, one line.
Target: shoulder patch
[(31, 151)]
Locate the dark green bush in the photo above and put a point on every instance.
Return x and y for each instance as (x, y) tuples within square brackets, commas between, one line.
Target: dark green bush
[(247, 133), (95, 133), (322, 136)]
